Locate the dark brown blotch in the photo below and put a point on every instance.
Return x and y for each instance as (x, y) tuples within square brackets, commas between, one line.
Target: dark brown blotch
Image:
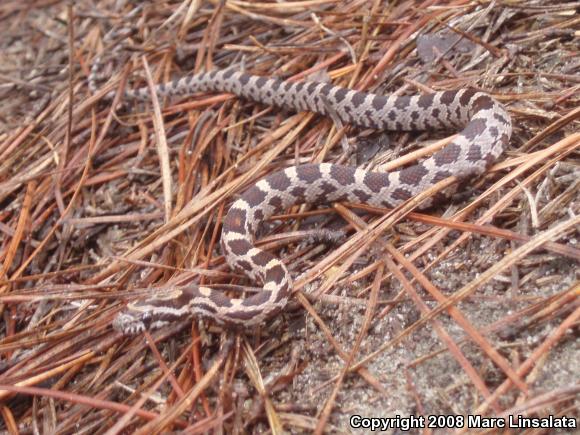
[(254, 196), (447, 97), (244, 265), (357, 99), (474, 153), (370, 122), (308, 173), (413, 175), (258, 215), (276, 84), (441, 175), (387, 203), (283, 292), (466, 97), (379, 101), (375, 181), (504, 139), (325, 90), (239, 247), (276, 274), (298, 192), (276, 202), (402, 103), (261, 81), (401, 194), (447, 155), (342, 174), (235, 221), (474, 129), (483, 102), (500, 118), (257, 299), (361, 195), (262, 258), (311, 87), (228, 73), (327, 188), (425, 101), (279, 181), (340, 94), (489, 159)]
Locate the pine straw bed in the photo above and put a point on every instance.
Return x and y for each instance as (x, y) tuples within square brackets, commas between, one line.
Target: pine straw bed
[(469, 308)]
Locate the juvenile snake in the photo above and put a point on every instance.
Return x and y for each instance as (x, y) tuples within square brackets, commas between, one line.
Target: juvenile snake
[(486, 131)]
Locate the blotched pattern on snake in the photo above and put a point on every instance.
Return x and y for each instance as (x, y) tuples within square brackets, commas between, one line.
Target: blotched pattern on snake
[(486, 129)]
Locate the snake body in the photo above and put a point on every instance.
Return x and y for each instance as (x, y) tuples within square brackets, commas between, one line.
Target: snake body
[(486, 129)]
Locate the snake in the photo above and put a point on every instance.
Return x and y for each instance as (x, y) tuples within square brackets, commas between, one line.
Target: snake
[(484, 127)]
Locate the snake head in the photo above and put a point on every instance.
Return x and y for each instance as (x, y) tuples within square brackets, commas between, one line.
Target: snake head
[(132, 322), (168, 305), (129, 324)]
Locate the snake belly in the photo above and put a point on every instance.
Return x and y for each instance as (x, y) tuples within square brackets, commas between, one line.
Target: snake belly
[(485, 131)]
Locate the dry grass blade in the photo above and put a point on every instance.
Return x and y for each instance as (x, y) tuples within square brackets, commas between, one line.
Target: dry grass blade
[(161, 142)]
